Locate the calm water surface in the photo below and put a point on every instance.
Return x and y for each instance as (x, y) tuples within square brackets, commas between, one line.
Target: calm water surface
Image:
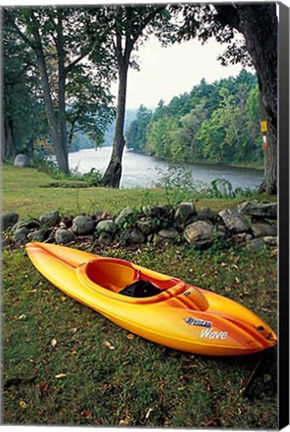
[(147, 171)]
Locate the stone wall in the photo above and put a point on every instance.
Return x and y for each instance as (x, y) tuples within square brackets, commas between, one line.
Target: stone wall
[(251, 223)]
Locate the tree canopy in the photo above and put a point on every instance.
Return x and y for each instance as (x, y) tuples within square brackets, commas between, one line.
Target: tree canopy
[(216, 122)]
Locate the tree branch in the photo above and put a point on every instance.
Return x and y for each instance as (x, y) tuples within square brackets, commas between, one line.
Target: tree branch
[(19, 32), (142, 26), (228, 15)]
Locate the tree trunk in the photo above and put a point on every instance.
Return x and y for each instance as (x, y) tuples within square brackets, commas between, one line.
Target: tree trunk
[(61, 88), (258, 24), (112, 176), (59, 148), (8, 150)]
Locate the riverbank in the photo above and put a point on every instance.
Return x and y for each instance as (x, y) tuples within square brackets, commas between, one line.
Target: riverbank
[(147, 171), (30, 192), (248, 165)]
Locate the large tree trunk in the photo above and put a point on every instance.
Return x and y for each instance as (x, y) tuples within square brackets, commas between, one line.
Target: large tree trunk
[(61, 89), (57, 136), (8, 150), (112, 176), (258, 24)]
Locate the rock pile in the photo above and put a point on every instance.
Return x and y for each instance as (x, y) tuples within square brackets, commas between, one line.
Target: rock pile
[(253, 223)]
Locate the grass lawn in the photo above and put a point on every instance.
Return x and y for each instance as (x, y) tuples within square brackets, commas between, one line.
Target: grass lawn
[(29, 192), (58, 369)]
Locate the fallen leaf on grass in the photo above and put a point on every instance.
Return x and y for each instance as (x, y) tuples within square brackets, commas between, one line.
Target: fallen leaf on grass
[(148, 413), (124, 422), (108, 344), (267, 378), (86, 414), (53, 342), (60, 375), (22, 317), (130, 336), (23, 404)]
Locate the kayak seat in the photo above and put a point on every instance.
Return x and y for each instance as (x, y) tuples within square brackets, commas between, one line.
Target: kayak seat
[(111, 274), (140, 289)]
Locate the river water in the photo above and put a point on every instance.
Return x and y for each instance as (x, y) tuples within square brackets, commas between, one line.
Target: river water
[(146, 171)]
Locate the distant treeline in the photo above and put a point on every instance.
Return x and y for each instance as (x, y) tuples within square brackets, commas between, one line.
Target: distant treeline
[(217, 122)]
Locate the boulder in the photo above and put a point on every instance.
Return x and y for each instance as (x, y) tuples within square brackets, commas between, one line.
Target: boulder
[(207, 214), (184, 212), (21, 235), (22, 161), (220, 232), (169, 233), (49, 219), (107, 226), (8, 220), (147, 226), (159, 211), (83, 225), (38, 235), (256, 245), (105, 238), (133, 236), (64, 236), (271, 240), (234, 221), (29, 223), (259, 210), (199, 234), (242, 237), (264, 230), (126, 215)]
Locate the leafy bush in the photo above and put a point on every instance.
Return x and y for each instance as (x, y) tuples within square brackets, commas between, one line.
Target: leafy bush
[(179, 185)]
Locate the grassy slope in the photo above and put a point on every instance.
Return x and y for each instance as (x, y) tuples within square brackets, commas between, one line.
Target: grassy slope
[(27, 192), (137, 383)]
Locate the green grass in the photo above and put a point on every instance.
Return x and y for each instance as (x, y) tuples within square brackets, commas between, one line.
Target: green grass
[(77, 380), (138, 383), (30, 192)]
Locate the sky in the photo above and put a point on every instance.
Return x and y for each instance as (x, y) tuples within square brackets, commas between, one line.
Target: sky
[(171, 71)]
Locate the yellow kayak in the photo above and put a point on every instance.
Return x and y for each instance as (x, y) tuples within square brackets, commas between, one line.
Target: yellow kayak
[(157, 307)]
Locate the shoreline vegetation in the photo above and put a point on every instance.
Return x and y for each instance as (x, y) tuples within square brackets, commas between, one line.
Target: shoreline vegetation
[(44, 188), (259, 166)]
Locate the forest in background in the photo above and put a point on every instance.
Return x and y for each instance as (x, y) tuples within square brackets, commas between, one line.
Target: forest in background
[(215, 123)]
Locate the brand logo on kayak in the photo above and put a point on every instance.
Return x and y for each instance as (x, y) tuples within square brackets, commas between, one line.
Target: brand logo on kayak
[(197, 322), (213, 334)]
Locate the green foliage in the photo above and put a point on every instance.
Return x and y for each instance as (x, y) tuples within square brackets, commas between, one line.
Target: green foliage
[(136, 133), (24, 118), (179, 185), (217, 123)]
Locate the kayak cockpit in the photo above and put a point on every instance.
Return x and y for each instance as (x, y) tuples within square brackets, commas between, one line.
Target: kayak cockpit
[(123, 281), (122, 277)]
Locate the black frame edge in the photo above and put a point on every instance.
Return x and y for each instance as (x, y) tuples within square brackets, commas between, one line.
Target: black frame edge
[(283, 267)]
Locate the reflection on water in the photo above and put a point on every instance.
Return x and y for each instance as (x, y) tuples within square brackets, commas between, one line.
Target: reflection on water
[(146, 171)]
